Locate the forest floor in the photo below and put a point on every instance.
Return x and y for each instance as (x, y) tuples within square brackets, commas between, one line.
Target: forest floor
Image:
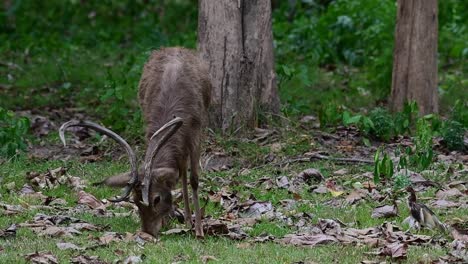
[(269, 197), (276, 196)]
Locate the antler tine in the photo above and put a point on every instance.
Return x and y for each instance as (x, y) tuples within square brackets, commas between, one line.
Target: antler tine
[(116, 137), (153, 148)]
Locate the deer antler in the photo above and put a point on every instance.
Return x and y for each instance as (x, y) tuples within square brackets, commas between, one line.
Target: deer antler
[(119, 139), (153, 148)]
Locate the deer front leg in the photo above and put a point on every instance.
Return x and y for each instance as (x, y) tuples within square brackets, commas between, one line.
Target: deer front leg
[(187, 211), (194, 158)]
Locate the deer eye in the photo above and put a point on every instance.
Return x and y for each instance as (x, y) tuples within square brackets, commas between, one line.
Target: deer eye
[(157, 199)]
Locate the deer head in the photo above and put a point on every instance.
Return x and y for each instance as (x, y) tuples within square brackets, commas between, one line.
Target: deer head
[(151, 186)]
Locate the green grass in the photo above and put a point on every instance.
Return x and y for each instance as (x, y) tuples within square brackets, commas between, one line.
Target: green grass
[(185, 247), (190, 250), (80, 54)]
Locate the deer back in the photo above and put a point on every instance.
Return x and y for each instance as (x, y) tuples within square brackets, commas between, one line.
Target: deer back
[(175, 82)]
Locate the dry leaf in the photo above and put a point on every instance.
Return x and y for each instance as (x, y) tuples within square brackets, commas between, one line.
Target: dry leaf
[(244, 245), (216, 161), (56, 231), (215, 227), (42, 257), (67, 245), (447, 194), (140, 237), (133, 260), (355, 196), (341, 172), (89, 200), (333, 188), (109, 237), (48, 180), (82, 259), (385, 211), (282, 182), (28, 191), (320, 189), (8, 232), (395, 250), (444, 204), (205, 259), (84, 226), (309, 175), (176, 231), (255, 209), (307, 240)]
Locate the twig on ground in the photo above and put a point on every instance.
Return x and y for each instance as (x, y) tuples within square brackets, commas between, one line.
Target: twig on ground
[(316, 156), (11, 65), (340, 160), (5, 86), (325, 134)]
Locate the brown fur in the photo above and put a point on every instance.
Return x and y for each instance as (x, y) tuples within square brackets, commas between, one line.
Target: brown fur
[(175, 82)]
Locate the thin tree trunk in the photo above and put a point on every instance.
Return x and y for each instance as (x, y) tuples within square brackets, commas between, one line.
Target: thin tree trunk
[(415, 56), (235, 37)]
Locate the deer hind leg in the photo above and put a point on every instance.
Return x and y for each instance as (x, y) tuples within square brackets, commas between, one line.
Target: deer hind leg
[(194, 169), (187, 211)]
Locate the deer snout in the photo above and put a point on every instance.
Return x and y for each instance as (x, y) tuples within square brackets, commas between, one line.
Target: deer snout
[(151, 225), (152, 216)]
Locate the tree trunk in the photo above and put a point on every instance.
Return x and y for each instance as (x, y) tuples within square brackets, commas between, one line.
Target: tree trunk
[(235, 37), (415, 56)]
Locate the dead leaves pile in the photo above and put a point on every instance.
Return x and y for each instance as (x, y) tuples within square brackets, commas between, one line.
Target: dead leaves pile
[(53, 178), (388, 240), (239, 214)]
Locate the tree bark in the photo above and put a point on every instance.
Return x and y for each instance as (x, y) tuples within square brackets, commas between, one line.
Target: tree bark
[(235, 37), (415, 56)]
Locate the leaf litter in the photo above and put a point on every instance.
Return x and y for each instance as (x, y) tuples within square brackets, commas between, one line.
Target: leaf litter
[(240, 214), (42, 257)]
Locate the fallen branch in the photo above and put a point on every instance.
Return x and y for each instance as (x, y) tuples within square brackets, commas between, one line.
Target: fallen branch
[(316, 156), (340, 160), (325, 135), (11, 65), (5, 86)]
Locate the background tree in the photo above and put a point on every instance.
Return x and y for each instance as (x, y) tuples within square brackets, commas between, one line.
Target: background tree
[(235, 36), (415, 56)]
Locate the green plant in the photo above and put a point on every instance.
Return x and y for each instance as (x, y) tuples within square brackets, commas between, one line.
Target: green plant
[(364, 124), (13, 132), (349, 119), (330, 115), (421, 157), (383, 124), (117, 107), (383, 168), (405, 118), (400, 181), (453, 133), (460, 113), (403, 157)]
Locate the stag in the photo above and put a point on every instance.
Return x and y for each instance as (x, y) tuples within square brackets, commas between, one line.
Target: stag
[(174, 95)]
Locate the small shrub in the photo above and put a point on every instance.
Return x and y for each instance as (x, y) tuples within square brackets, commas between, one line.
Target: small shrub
[(364, 124), (423, 153), (400, 181), (383, 124), (453, 133), (382, 167), (330, 115), (13, 132), (404, 119), (460, 113)]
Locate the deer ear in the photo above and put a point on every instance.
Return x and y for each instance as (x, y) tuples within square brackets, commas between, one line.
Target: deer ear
[(164, 176), (117, 181)]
